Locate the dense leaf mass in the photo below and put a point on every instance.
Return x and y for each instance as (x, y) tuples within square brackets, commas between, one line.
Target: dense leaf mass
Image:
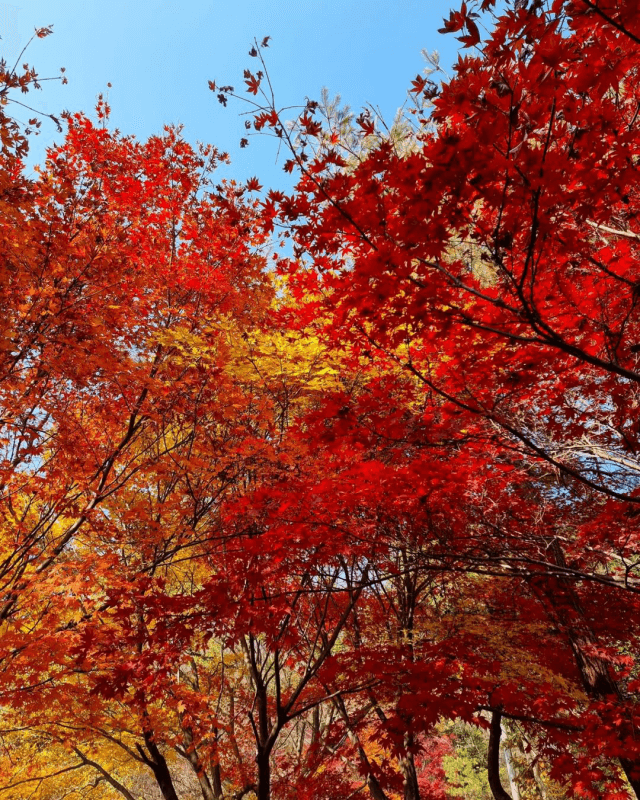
[(360, 523)]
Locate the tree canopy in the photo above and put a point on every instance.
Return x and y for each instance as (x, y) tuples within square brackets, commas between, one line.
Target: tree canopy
[(356, 517)]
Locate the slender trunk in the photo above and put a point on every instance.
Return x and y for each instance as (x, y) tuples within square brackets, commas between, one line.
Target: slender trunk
[(203, 779), (234, 742), (408, 765), (493, 758), (157, 763), (315, 727), (532, 761), (216, 780), (215, 769), (375, 790), (196, 763), (163, 779), (264, 775), (265, 738), (511, 772)]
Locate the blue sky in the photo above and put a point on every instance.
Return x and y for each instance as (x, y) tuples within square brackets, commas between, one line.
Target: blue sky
[(158, 55)]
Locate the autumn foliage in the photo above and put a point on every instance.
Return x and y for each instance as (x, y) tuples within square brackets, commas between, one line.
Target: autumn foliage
[(320, 525)]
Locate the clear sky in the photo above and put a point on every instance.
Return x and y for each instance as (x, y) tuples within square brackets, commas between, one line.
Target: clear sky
[(159, 54)]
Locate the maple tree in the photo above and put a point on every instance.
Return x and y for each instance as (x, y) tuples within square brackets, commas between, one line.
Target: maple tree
[(495, 262), (289, 532), (121, 278)]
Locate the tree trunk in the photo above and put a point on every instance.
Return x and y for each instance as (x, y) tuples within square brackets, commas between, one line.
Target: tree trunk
[(375, 790), (163, 779), (408, 765), (194, 759), (158, 765), (216, 779), (206, 788), (532, 761), (264, 775), (493, 758), (538, 779), (511, 772)]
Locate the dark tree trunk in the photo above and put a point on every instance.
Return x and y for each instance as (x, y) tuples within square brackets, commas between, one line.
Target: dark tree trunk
[(194, 759), (375, 790), (493, 758), (163, 779), (216, 780), (264, 775), (158, 765), (265, 739), (408, 764)]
